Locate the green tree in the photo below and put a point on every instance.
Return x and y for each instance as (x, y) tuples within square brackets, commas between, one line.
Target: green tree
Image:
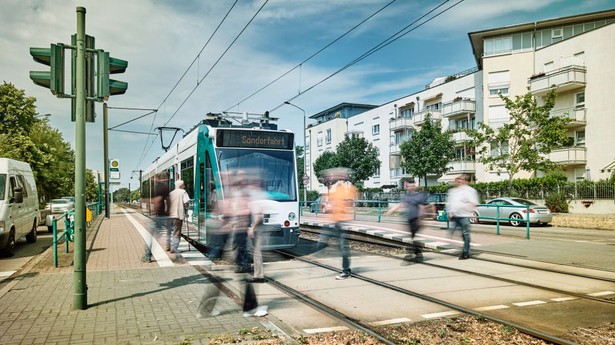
[(524, 142), (17, 112), (428, 151), (91, 186), (299, 151), (359, 155), (325, 161)]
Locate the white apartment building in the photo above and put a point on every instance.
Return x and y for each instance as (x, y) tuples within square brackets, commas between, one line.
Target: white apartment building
[(571, 54)]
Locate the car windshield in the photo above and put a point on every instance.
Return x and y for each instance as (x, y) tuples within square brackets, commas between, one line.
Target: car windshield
[(60, 201), (2, 185), (524, 202)]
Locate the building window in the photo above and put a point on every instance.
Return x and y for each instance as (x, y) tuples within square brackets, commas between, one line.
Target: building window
[(328, 136), (407, 112), (579, 138), (375, 129), (495, 91), (579, 100)]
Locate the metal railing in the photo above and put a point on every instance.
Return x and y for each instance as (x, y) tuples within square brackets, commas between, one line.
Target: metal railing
[(68, 234)]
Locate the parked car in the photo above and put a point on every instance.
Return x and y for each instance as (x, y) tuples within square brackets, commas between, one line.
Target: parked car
[(18, 204), (514, 209), (321, 204), (71, 198), (60, 205)]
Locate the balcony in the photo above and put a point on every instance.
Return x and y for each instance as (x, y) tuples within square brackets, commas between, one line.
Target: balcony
[(461, 137), (419, 118), (400, 123), (462, 167), (575, 114), (564, 79), (395, 149), (458, 108), (569, 156)]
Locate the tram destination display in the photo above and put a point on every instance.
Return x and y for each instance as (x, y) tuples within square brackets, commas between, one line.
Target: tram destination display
[(254, 139)]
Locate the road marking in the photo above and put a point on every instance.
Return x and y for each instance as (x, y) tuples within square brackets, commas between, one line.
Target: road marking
[(524, 304), (390, 322), (602, 293), (563, 299), (492, 307), (435, 245), (325, 329), (7, 273), (437, 315), (157, 251), (402, 232)]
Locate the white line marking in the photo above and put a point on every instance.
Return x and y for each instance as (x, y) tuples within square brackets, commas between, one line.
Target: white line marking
[(157, 251), (602, 293), (7, 273), (325, 329), (563, 299), (492, 307), (436, 315), (372, 232), (200, 262), (418, 235), (390, 322), (435, 244), (524, 304), (389, 236)]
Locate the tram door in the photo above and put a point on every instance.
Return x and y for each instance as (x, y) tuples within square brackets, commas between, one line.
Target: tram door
[(208, 199)]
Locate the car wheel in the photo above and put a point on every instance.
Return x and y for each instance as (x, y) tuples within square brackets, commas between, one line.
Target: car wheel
[(31, 237), (516, 219), (474, 218), (9, 250)]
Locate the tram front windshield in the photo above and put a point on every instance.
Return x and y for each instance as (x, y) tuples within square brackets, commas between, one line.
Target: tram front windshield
[(276, 169)]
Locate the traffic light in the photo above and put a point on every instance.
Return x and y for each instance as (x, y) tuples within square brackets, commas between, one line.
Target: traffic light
[(54, 58), (90, 91), (109, 65)]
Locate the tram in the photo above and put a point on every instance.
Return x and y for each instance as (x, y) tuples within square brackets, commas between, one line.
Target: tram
[(208, 160)]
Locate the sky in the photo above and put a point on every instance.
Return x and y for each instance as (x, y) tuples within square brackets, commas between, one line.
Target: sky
[(185, 61)]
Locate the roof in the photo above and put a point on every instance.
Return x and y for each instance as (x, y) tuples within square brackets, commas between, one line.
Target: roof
[(341, 106)]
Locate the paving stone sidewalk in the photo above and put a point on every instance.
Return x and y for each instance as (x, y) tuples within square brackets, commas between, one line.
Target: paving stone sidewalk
[(129, 302)]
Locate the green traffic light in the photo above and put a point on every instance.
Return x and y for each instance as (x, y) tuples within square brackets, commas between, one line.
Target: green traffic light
[(54, 78)]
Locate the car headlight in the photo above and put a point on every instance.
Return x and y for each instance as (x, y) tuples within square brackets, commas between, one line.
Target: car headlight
[(292, 216)]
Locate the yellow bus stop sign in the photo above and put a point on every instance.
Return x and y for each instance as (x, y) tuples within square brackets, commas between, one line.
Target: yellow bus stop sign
[(88, 215)]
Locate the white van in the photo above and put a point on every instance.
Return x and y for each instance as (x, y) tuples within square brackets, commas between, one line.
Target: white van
[(18, 204)]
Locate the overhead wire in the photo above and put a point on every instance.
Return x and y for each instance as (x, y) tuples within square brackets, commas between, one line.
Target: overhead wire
[(311, 56), (399, 34)]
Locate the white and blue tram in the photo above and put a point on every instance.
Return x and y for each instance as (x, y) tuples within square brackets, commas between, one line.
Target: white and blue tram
[(208, 158)]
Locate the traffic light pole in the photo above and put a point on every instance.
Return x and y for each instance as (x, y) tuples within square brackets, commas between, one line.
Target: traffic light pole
[(80, 299), (106, 156)]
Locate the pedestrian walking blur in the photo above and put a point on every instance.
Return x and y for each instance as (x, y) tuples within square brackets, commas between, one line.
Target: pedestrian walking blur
[(178, 202), (257, 231), (160, 209), (342, 195), (236, 212), (461, 204), (413, 203)]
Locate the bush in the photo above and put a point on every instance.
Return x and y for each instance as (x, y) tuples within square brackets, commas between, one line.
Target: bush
[(556, 202)]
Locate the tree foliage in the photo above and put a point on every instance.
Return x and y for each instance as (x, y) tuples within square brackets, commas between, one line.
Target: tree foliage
[(27, 138), (428, 151), (524, 142), (299, 151), (359, 155), (325, 161)]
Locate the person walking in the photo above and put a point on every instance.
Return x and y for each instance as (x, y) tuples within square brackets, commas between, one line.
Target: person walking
[(341, 197), (413, 203), (161, 211), (461, 204), (259, 205), (178, 202)]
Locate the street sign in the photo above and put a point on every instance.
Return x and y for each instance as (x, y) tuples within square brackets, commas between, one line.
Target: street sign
[(306, 179), (114, 169)]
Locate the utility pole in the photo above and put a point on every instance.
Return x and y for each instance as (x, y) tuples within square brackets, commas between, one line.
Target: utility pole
[(106, 156), (80, 289), (304, 155)]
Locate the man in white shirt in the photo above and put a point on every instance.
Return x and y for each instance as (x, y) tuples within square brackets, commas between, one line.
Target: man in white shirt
[(461, 204), (178, 202)]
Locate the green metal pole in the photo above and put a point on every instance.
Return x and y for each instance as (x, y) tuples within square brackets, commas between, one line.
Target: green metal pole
[(80, 298), (106, 157)]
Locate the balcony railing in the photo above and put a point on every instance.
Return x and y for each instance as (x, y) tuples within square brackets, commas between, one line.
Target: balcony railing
[(419, 118), (394, 148), (461, 136), (459, 107), (575, 114), (462, 167), (564, 79), (400, 123), (569, 156)]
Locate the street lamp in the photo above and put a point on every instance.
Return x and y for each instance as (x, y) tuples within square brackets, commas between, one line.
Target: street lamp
[(42, 115), (304, 154)]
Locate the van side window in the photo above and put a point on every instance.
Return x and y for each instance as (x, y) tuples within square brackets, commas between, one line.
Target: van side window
[(22, 183), (12, 186), (2, 186)]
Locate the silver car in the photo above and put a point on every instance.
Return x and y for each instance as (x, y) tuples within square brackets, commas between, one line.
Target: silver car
[(513, 210), (60, 205)]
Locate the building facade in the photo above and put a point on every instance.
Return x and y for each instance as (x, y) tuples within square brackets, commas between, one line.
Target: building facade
[(570, 54)]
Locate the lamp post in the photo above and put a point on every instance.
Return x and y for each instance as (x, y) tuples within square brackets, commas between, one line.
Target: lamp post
[(42, 115), (304, 154)]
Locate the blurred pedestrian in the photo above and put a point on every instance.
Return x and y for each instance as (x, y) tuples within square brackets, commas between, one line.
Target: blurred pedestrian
[(178, 202), (160, 210), (413, 203), (341, 198), (236, 212), (461, 204)]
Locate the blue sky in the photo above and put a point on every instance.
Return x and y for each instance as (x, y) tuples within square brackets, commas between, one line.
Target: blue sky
[(161, 38)]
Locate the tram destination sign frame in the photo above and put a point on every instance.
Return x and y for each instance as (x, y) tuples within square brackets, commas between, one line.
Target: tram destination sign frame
[(255, 139)]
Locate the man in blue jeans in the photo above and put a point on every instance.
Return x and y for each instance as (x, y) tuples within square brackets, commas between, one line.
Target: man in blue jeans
[(461, 204)]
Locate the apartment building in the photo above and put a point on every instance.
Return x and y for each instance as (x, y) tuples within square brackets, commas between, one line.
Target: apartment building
[(571, 54)]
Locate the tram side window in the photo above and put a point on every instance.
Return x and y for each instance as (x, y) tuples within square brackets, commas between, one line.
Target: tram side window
[(211, 193), (187, 175)]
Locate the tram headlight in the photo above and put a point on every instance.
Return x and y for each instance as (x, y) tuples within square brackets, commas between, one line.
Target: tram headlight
[(292, 216)]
